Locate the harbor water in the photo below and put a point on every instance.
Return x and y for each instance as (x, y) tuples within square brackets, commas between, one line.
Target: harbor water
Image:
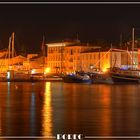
[(51, 108)]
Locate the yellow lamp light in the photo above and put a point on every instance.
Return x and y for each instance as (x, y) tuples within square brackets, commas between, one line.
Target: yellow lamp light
[(104, 70), (33, 71), (47, 70)]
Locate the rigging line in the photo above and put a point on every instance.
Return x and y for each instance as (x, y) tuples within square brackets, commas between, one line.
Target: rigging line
[(119, 50), (127, 52), (130, 56), (102, 57), (7, 57)]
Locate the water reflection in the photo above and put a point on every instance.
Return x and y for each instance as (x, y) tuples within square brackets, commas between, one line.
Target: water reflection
[(106, 113), (33, 114), (125, 110), (0, 123), (49, 108), (47, 111), (8, 110)]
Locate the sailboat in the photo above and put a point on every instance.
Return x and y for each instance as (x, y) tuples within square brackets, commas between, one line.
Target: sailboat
[(11, 72), (130, 75)]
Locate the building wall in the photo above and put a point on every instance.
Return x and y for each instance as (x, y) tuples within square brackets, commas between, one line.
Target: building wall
[(54, 58), (72, 58), (29, 56), (3, 53), (13, 63), (127, 59), (99, 60), (139, 58), (35, 63), (64, 58)]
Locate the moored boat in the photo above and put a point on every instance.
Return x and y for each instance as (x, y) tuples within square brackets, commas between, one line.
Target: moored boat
[(77, 79), (129, 75), (101, 78), (125, 76)]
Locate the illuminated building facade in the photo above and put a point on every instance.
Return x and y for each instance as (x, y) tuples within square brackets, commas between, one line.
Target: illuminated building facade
[(67, 58), (54, 57), (127, 59), (72, 60), (14, 63), (64, 56), (139, 58), (3, 53), (103, 60), (34, 61)]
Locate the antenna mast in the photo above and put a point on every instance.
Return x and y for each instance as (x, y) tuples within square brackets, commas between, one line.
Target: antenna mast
[(13, 38), (133, 44)]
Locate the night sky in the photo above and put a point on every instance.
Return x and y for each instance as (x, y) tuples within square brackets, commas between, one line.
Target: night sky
[(59, 22)]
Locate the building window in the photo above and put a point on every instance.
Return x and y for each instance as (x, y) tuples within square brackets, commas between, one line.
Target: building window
[(90, 56), (71, 52)]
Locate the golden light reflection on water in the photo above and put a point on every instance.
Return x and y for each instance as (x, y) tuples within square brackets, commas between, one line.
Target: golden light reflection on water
[(0, 119), (0, 125), (47, 111), (106, 114)]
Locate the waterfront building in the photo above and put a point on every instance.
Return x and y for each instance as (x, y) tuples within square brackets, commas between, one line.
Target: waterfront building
[(71, 56), (126, 60), (34, 62), (64, 57), (54, 56), (99, 60), (14, 63), (68, 57), (139, 58), (3, 53), (72, 61), (105, 59)]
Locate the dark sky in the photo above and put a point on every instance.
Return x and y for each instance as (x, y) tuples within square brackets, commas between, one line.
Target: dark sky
[(58, 22)]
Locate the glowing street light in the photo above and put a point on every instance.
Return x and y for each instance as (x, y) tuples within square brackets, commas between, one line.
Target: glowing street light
[(47, 70)]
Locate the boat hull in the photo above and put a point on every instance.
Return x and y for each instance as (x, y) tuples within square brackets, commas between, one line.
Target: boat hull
[(120, 78), (70, 79)]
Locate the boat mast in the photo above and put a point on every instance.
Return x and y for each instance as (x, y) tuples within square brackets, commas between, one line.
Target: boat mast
[(43, 54), (9, 51), (133, 44), (13, 38), (127, 57), (99, 58), (62, 47), (111, 56), (121, 40)]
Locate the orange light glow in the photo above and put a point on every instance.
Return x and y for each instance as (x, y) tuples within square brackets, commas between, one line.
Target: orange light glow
[(0, 125), (33, 71), (47, 112), (106, 116), (104, 70), (47, 70)]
